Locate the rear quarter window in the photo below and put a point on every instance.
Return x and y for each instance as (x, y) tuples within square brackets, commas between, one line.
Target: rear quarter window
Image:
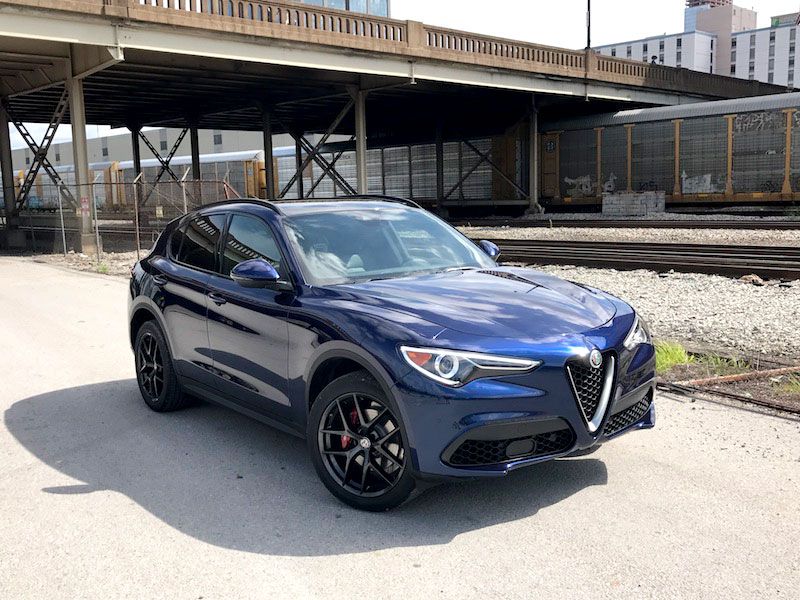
[(199, 242)]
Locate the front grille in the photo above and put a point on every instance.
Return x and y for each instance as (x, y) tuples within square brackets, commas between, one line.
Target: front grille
[(475, 453), (629, 416), (587, 384)]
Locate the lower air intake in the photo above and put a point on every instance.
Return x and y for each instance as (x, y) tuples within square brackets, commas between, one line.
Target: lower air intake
[(629, 416), (481, 453)]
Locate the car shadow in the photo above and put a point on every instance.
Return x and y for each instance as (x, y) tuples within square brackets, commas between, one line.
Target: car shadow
[(230, 481)]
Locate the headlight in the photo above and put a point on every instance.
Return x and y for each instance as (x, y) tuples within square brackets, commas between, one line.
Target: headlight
[(638, 335), (454, 368)]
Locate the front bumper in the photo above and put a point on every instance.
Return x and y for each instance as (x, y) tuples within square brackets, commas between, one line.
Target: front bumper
[(503, 425)]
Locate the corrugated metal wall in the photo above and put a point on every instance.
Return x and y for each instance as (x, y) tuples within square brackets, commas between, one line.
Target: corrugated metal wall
[(704, 155), (578, 156), (458, 159), (759, 151), (653, 157), (614, 159)]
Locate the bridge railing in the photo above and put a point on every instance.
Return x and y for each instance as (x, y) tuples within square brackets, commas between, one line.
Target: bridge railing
[(293, 21), (298, 15)]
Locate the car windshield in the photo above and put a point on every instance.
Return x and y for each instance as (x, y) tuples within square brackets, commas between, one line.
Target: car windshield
[(367, 244)]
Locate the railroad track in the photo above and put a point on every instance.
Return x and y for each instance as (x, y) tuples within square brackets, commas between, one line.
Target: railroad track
[(766, 262), (740, 224)]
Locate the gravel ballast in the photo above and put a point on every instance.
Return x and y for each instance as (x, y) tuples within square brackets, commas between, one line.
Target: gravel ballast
[(746, 237), (707, 310)]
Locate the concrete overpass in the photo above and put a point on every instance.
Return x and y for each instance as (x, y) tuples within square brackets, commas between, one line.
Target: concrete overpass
[(283, 67)]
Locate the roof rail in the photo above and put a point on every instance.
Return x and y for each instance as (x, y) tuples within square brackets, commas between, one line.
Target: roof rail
[(266, 203), (394, 199)]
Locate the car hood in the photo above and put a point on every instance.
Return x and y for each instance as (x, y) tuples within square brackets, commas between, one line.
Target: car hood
[(501, 302)]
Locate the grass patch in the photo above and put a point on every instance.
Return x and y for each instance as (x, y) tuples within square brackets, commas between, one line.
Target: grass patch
[(670, 355), (102, 268), (718, 366), (791, 386)]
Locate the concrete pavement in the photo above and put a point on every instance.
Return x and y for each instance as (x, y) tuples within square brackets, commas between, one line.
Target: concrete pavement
[(101, 498)]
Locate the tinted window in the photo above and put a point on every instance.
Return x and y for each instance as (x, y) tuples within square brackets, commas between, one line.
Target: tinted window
[(249, 238), (176, 241), (362, 244), (200, 237)]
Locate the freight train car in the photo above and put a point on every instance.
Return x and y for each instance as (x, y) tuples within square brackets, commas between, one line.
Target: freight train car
[(729, 151), (111, 181)]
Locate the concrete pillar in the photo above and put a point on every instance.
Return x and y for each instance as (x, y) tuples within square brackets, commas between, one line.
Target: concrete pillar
[(77, 114), (361, 141), (298, 161), (195, 143), (13, 238), (533, 160), (269, 161)]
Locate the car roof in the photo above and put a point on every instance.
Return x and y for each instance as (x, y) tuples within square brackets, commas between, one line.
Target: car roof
[(311, 206)]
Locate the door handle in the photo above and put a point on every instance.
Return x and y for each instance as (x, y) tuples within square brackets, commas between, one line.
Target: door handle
[(160, 280), (217, 299)]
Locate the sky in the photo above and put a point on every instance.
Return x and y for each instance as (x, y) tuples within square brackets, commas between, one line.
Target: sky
[(561, 23)]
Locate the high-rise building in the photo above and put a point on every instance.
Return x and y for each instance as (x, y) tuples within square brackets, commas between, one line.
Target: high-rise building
[(723, 38), (371, 7), (722, 21)]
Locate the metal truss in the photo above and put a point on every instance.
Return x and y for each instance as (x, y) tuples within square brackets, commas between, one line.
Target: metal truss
[(313, 154), (40, 160), (484, 158), (165, 168)]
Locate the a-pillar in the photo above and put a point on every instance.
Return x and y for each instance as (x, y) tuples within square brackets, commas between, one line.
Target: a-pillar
[(269, 161), (360, 98), (13, 238), (77, 115)]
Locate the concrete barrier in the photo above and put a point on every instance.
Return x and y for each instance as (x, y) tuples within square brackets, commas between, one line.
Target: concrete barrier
[(634, 204)]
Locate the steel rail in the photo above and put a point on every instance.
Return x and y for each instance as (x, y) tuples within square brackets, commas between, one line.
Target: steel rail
[(760, 224), (766, 262)]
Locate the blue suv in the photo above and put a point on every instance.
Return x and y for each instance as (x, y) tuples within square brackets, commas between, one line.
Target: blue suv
[(396, 346)]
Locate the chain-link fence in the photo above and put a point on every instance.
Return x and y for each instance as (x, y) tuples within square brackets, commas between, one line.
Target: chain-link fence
[(120, 213)]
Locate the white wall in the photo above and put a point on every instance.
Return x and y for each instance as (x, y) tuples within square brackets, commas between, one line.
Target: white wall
[(782, 55), (696, 52)]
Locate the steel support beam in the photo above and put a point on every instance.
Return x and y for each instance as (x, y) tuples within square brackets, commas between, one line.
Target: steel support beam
[(269, 162), (313, 152), (360, 98), (40, 160), (439, 164), (325, 173), (299, 164), (77, 115), (195, 142), (165, 162), (137, 151), (327, 167), (497, 169), (533, 160), (13, 238)]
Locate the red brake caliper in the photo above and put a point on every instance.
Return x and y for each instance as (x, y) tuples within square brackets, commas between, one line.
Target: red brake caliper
[(346, 439)]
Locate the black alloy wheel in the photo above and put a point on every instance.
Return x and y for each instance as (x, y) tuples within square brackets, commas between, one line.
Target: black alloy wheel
[(360, 441), (155, 373), (358, 446), (150, 367)]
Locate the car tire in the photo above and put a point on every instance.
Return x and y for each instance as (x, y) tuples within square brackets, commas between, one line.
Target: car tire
[(155, 372), (372, 475)]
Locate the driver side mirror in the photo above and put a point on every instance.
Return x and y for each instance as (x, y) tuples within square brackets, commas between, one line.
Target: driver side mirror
[(257, 274), (489, 248)]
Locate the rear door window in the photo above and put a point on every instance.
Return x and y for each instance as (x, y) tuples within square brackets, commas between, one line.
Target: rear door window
[(200, 238)]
